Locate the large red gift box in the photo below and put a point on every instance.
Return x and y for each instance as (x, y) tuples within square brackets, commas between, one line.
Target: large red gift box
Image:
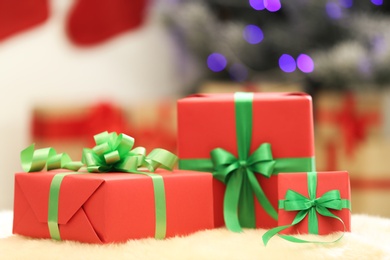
[(112, 207), (283, 120), (326, 181)]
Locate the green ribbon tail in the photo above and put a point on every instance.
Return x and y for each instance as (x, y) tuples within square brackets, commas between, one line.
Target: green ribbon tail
[(261, 197), (274, 231), (246, 208), (297, 240), (231, 202)]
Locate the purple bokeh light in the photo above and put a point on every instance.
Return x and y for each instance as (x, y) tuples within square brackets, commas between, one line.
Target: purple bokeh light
[(346, 3), (272, 5), (333, 10), (378, 44), (377, 2), (216, 62), (287, 63), (257, 4), (365, 66), (238, 72), (253, 34), (305, 63)]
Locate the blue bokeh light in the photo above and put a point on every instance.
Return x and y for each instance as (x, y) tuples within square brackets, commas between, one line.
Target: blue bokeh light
[(253, 34), (238, 72), (305, 63), (377, 2), (272, 5), (216, 62), (333, 10), (346, 3), (287, 63), (257, 4)]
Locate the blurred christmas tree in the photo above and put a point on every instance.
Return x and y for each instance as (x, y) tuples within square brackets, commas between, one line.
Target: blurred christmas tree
[(334, 44)]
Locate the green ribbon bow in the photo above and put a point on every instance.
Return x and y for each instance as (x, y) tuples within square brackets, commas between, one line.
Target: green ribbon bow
[(238, 173), (309, 207), (112, 153), (241, 183)]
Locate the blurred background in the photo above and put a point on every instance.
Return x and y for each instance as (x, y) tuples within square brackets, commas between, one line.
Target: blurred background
[(72, 68)]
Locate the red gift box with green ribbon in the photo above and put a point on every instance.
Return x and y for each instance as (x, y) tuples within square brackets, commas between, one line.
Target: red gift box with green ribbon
[(312, 203), (114, 194), (245, 139)]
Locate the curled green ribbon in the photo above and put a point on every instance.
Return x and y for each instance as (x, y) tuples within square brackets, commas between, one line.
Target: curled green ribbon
[(239, 173), (309, 207), (36, 160), (112, 153)]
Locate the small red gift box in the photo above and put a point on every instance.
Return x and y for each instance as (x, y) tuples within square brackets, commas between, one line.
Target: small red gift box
[(330, 190), (272, 131), (112, 207)]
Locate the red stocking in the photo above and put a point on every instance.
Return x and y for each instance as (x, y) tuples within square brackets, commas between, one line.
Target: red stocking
[(19, 15), (95, 21)]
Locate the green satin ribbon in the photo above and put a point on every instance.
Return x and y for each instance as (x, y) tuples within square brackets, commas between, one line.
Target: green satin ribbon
[(309, 207), (239, 173), (112, 153)]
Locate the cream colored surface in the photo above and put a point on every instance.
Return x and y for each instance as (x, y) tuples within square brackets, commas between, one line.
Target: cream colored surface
[(370, 239)]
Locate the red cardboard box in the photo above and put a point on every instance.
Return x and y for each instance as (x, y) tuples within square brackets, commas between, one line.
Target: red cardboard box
[(113, 207), (326, 181), (208, 121)]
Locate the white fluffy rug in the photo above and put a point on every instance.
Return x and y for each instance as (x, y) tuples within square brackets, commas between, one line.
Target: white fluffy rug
[(370, 239)]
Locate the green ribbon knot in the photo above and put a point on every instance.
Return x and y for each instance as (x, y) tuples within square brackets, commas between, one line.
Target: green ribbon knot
[(226, 164), (309, 206), (112, 153), (296, 201)]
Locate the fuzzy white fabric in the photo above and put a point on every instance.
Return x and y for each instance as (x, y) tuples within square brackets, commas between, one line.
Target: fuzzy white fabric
[(370, 239)]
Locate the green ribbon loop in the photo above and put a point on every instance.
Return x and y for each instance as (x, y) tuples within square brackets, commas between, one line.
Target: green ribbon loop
[(111, 153), (309, 206)]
